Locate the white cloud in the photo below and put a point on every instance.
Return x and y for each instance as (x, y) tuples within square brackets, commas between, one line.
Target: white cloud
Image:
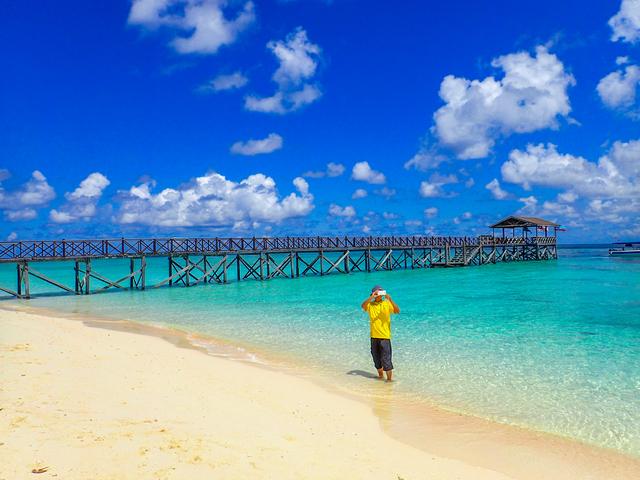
[(433, 187), (12, 237), (332, 170), (271, 143), (465, 216), (615, 174), (386, 192), (281, 102), (431, 212), (22, 214), (301, 185), (359, 193), (298, 62), (390, 215), (21, 203), (626, 23), (426, 159), (622, 60), (530, 204), (338, 211), (202, 25), (35, 192), (609, 190), (413, 223), (230, 81), (531, 96), (297, 56), (618, 89), (470, 182), (90, 187), (615, 210), (430, 190), (212, 200), (362, 171), (496, 190), (567, 197), (82, 203), (548, 209)]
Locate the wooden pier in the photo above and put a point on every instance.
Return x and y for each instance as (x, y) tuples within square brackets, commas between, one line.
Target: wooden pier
[(193, 261)]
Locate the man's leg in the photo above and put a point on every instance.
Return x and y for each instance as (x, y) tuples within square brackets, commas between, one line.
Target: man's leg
[(376, 355), (387, 364)]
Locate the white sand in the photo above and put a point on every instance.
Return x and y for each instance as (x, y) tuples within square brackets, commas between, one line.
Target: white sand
[(92, 403)]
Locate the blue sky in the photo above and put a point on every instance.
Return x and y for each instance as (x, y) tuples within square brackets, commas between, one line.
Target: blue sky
[(212, 117)]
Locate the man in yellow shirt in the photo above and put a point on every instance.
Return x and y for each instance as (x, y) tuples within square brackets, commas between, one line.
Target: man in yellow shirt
[(380, 306)]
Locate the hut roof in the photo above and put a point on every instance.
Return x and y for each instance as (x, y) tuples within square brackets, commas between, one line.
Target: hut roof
[(514, 221)]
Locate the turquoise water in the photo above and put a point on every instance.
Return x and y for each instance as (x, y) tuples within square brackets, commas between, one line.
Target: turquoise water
[(551, 345)]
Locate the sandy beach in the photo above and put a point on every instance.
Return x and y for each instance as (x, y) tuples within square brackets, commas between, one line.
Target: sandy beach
[(80, 402)]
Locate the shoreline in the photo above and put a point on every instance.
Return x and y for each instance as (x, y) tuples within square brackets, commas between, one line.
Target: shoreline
[(511, 450)]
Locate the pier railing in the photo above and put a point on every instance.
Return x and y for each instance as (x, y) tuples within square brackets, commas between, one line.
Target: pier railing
[(193, 261), (33, 250)]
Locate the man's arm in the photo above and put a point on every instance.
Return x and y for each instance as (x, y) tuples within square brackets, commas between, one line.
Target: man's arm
[(366, 302), (396, 308)]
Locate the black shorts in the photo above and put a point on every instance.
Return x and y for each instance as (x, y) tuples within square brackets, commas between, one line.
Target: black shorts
[(381, 353)]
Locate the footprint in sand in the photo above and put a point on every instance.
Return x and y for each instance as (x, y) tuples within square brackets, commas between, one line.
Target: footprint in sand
[(19, 347)]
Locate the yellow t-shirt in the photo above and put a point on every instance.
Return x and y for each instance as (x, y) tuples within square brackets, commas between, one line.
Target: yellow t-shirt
[(380, 317)]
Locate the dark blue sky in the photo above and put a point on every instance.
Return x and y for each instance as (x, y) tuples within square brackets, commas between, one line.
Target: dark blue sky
[(89, 88)]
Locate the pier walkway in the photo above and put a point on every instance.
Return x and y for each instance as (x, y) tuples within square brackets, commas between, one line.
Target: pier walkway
[(192, 261)]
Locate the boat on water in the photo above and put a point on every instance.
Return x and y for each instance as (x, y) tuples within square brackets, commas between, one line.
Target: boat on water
[(625, 248)]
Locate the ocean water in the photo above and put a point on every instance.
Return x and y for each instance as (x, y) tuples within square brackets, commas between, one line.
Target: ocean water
[(552, 345)]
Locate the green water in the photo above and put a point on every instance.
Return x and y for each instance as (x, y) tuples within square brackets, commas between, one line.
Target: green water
[(552, 345)]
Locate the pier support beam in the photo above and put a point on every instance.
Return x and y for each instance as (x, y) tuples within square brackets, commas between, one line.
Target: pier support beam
[(82, 275), (23, 289)]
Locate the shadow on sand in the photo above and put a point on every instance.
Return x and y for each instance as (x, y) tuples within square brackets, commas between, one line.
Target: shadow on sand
[(362, 373)]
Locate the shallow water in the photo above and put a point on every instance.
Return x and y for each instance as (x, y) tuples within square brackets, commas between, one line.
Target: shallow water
[(551, 345)]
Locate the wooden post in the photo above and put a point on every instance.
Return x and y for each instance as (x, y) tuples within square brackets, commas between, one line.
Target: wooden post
[(290, 261), (170, 268), (224, 268), (187, 272), (297, 264), (76, 270), (261, 270), (87, 275), (238, 265), (321, 263), (25, 280), (18, 280), (346, 261), (205, 267), (143, 272), (23, 290), (131, 270), (367, 258)]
